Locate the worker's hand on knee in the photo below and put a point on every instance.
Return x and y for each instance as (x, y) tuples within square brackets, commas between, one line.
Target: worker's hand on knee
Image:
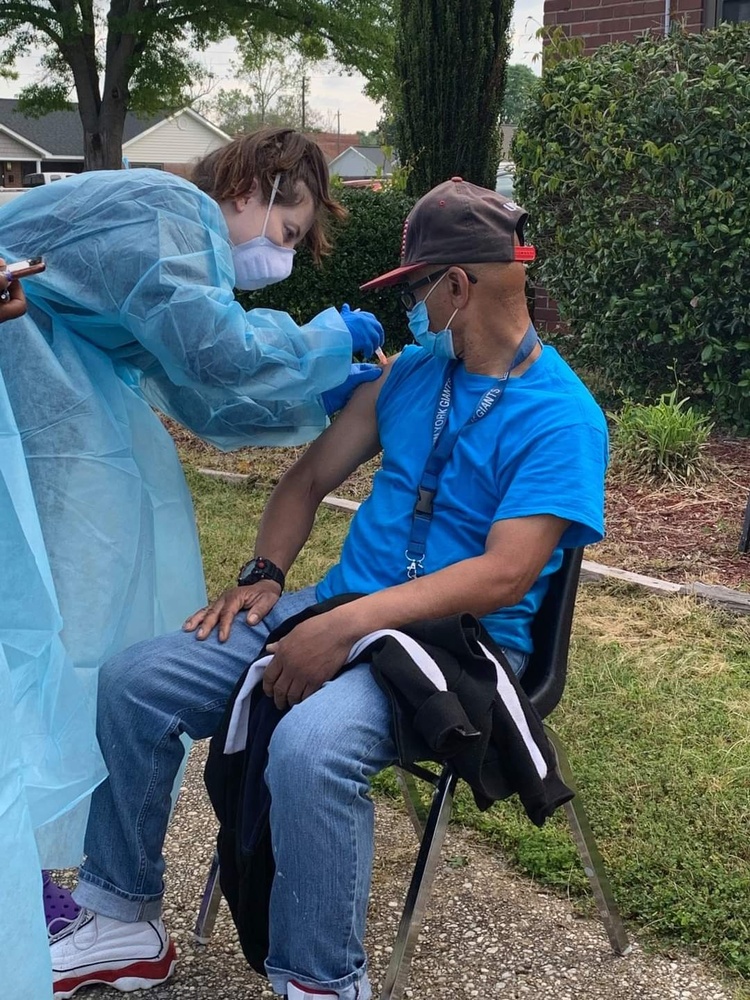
[(257, 600)]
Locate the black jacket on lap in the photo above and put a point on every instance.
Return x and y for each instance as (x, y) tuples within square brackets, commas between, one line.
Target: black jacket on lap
[(454, 698)]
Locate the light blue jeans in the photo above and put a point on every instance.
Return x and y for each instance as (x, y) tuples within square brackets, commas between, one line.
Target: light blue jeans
[(321, 758)]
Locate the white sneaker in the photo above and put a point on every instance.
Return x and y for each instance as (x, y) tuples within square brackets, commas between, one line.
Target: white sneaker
[(96, 949), (295, 992)]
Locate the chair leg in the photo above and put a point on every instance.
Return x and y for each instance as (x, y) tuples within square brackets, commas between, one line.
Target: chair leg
[(419, 890), (204, 925), (593, 865), (415, 804)]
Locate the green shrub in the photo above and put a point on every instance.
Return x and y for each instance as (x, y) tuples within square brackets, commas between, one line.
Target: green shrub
[(665, 441), (365, 245), (635, 165)]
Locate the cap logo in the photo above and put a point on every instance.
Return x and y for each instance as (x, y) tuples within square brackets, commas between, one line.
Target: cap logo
[(511, 206)]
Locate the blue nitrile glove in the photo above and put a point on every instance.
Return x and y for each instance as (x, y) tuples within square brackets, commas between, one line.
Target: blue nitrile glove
[(336, 399), (366, 331)]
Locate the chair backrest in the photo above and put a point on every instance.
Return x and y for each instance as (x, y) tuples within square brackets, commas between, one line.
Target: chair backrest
[(546, 672)]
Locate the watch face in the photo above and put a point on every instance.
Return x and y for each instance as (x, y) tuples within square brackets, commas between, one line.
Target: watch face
[(259, 569), (246, 573), (254, 566)]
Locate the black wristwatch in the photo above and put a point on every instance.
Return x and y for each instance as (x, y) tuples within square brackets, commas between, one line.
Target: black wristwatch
[(260, 569)]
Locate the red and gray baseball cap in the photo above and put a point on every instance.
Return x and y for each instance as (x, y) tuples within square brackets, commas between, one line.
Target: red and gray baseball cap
[(459, 223)]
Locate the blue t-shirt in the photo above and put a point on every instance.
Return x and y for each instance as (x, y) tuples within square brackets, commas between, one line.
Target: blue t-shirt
[(541, 450)]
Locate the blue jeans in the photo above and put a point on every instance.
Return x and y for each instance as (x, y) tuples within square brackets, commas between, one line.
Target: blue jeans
[(321, 758)]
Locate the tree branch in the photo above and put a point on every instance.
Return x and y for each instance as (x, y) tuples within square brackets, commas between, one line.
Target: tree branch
[(121, 46), (88, 19), (19, 14)]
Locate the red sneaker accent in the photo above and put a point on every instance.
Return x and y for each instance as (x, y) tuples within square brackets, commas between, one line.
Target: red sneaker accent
[(150, 971)]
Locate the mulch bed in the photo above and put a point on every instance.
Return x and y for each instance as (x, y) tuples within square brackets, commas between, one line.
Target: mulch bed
[(681, 534)]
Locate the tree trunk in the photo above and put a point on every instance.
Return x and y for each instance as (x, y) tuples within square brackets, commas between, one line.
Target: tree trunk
[(102, 136), (103, 111)]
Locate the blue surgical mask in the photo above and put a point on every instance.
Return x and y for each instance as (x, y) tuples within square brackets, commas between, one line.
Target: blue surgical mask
[(260, 261), (438, 344)]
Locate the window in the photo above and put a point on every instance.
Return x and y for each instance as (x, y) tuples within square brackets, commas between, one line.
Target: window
[(726, 10), (736, 10)]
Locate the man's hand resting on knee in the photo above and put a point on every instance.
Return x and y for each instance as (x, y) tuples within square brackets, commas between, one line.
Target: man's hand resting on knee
[(256, 600), (304, 660)]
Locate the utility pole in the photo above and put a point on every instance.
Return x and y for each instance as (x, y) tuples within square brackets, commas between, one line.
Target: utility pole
[(304, 81), (338, 131)]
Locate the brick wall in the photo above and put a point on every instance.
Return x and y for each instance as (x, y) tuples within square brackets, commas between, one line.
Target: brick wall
[(602, 21), (546, 316)]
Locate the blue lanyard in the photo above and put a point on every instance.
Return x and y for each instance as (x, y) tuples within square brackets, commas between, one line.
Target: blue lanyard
[(443, 443)]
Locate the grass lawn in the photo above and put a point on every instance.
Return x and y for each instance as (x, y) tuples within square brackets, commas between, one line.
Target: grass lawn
[(656, 719)]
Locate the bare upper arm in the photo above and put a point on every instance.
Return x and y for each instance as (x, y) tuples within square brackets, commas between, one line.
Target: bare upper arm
[(522, 546), (351, 440)]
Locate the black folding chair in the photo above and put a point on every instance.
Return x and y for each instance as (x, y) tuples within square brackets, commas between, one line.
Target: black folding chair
[(544, 682), (744, 545)]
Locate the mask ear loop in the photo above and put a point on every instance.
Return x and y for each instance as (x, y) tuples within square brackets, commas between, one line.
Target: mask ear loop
[(434, 287), (448, 324), (274, 189)]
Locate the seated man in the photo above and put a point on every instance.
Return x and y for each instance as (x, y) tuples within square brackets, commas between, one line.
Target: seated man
[(516, 466)]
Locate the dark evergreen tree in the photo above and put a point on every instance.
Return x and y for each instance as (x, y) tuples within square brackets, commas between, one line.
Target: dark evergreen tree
[(451, 58)]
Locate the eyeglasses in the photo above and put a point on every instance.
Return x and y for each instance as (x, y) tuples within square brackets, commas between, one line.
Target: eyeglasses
[(409, 299)]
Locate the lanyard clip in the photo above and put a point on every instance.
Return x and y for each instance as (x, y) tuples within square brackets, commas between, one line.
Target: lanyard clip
[(424, 501), (414, 565)]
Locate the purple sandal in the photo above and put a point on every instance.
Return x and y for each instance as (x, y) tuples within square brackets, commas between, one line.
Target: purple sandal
[(60, 909)]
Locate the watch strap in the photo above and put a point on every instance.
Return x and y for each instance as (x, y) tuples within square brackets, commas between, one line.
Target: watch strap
[(260, 568)]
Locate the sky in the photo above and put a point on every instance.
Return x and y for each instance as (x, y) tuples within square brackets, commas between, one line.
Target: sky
[(332, 93)]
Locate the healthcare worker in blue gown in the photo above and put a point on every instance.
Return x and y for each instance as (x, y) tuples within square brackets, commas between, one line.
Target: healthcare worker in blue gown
[(98, 545)]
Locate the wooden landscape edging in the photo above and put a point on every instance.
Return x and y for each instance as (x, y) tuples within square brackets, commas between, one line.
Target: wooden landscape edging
[(591, 572), (723, 597)]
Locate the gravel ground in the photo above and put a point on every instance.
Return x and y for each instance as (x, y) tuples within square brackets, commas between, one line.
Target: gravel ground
[(488, 932)]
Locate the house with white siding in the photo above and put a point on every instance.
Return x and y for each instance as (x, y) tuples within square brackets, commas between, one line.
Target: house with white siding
[(54, 142), (361, 163)]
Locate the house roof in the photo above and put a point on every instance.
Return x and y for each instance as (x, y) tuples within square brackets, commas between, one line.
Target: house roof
[(375, 155), (372, 159), (156, 122), (60, 133), (333, 143)]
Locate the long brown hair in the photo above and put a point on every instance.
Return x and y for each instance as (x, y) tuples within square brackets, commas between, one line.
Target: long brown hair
[(259, 156)]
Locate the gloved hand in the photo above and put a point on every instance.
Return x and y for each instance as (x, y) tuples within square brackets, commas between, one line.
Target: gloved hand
[(366, 331), (336, 399)]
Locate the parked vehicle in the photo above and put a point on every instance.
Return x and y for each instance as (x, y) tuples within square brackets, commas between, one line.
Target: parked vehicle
[(46, 177), (374, 183), (504, 182)]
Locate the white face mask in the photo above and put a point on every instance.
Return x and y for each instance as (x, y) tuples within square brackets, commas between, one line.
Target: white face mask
[(260, 261)]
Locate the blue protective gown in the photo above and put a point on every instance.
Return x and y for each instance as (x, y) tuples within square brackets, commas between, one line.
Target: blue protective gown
[(97, 533)]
